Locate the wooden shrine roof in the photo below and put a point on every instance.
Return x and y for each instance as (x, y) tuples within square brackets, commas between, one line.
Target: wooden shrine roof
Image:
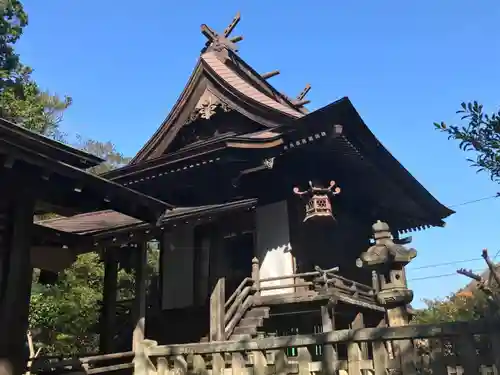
[(47, 146), (234, 79), (222, 79), (228, 78), (356, 146), (111, 227), (52, 169), (207, 152)]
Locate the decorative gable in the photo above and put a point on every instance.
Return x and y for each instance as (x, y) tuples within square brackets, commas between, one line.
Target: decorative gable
[(207, 106), (211, 118), (221, 70)]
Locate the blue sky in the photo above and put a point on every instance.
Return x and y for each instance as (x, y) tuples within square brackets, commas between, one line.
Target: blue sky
[(403, 65)]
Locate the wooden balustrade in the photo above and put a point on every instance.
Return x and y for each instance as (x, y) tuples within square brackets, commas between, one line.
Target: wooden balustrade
[(237, 305), (91, 364), (342, 350), (443, 349), (324, 279)]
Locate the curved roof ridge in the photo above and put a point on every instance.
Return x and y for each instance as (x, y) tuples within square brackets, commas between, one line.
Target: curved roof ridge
[(239, 84)]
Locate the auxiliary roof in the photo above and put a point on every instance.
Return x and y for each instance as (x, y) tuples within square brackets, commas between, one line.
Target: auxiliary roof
[(53, 171), (113, 228)]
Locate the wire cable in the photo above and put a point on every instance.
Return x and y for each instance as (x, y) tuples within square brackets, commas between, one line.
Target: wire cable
[(445, 264), (497, 195), (498, 252), (440, 276)]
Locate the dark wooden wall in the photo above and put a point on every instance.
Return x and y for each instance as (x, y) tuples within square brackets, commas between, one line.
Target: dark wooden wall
[(327, 243)]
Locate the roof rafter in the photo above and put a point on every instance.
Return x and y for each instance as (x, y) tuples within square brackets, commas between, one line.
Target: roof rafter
[(270, 74)]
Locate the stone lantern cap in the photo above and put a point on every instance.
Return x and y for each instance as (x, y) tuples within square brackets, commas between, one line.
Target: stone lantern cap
[(385, 251)]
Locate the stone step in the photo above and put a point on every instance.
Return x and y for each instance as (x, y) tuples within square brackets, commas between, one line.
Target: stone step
[(252, 321), (240, 337), (248, 330), (258, 312)]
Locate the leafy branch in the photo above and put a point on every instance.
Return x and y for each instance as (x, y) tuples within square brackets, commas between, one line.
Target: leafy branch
[(480, 135)]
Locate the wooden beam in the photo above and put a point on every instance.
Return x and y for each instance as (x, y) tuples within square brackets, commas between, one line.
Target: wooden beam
[(229, 29), (304, 92), (139, 310), (108, 313), (410, 332), (236, 39), (46, 235), (270, 74), (300, 103), (208, 32)]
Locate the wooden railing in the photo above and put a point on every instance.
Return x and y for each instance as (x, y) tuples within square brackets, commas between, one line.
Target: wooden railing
[(249, 289), (237, 305), (319, 281), (443, 349), (91, 364), (425, 349)]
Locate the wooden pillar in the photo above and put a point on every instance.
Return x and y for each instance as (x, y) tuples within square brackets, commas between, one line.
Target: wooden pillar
[(218, 271), (217, 311), (330, 358), (15, 282), (354, 351), (139, 308), (108, 312), (402, 350), (358, 323), (256, 276)]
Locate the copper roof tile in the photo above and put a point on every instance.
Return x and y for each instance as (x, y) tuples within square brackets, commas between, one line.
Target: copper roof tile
[(103, 220), (90, 222), (239, 84)]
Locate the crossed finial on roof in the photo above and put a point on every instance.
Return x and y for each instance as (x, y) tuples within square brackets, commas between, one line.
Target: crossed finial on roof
[(218, 41), (300, 100)]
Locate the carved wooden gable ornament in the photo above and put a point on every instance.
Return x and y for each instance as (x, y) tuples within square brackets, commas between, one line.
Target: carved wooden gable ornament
[(207, 106)]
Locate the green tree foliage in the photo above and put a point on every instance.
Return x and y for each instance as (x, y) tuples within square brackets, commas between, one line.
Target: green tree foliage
[(13, 20), (21, 99), (105, 150), (457, 307), (63, 316), (480, 135)]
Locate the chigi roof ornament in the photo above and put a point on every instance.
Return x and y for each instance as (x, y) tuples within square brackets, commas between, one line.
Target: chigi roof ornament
[(318, 204), (218, 42)]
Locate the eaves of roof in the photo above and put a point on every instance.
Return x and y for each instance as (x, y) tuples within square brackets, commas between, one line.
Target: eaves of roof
[(81, 186), (47, 146)]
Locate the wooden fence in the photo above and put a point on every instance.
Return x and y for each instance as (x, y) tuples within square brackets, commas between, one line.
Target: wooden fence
[(448, 349), (460, 348)]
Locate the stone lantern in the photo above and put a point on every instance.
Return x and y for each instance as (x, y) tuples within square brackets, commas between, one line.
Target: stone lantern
[(318, 200), (388, 260)]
